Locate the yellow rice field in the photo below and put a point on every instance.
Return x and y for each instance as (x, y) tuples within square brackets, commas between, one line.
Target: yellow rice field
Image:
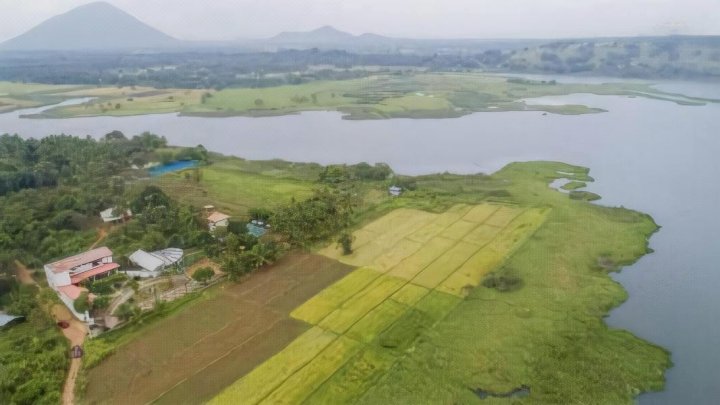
[(417, 267)]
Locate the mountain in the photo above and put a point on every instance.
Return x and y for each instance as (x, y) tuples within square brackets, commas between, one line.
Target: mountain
[(326, 34), (94, 26)]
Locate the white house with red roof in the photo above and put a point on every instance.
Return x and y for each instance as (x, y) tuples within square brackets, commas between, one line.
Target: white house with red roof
[(65, 276)]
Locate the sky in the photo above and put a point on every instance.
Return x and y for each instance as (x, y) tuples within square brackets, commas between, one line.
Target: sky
[(236, 19)]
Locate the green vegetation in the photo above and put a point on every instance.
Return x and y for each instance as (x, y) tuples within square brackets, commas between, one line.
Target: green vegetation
[(532, 322), (573, 185), (34, 348), (503, 254), (203, 275), (380, 96)]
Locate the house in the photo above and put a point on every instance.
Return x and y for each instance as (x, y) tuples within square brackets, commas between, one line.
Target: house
[(65, 276), (395, 191), (109, 215), (152, 264), (217, 219)]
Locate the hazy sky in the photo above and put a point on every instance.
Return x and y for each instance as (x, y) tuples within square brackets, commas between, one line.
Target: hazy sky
[(232, 19)]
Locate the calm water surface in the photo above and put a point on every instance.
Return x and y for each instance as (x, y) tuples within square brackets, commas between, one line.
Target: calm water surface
[(649, 155)]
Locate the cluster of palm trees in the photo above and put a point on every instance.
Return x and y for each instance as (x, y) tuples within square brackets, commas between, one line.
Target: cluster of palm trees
[(238, 263)]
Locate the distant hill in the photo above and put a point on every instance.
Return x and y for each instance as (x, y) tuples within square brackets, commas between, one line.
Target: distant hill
[(326, 34), (94, 26)]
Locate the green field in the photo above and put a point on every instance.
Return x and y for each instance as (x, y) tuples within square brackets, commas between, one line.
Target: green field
[(482, 297), (382, 96), (234, 185), (372, 315)]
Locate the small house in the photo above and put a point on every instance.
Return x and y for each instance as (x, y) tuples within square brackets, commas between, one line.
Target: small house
[(395, 191), (110, 215), (217, 219)]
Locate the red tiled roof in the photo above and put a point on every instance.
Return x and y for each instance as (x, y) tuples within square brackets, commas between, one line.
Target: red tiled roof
[(71, 291), (216, 217), (77, 260), (94, 272)]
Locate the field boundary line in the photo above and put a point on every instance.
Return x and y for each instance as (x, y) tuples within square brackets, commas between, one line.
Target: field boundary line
[(507, 257), (276, 386)]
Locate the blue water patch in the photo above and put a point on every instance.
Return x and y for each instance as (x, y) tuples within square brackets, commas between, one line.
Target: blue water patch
[(172, 167)]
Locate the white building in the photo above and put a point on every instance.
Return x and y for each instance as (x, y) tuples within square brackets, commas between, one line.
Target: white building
[(64, 276), (395, 191), (109, 215), (152, 264)]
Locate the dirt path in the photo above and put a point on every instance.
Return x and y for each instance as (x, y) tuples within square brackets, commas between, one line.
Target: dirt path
[(102, 234), (23, 274), (76, 334)]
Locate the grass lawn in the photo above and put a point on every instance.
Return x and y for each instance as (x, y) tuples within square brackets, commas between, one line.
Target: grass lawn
[(235, 185)]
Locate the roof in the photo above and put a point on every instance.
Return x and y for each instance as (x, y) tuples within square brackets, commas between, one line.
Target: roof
[(6, 319), (79, 259), (155, 260), (216, 217), (169, 255), (146, 260), (107, 215), (94, 272), (256, 230), (71, 291), (395, 188)]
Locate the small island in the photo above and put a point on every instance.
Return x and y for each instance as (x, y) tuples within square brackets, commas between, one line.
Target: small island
[(378, 96)]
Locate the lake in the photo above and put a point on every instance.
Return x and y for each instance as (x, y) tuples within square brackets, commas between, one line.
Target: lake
[(649, 155)]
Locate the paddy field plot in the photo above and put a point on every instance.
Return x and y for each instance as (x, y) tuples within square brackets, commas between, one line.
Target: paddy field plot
[(416, 267), (191, 355)]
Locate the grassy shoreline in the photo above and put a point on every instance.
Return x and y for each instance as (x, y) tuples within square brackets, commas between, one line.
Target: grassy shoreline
[(387, 96)]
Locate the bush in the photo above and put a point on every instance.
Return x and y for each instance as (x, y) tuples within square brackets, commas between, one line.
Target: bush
[(345, 241), (503, 282), (81, 304), (203, 275)]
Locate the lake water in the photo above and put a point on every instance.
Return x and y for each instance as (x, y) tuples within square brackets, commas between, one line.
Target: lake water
[(172, 167), (653, 156)]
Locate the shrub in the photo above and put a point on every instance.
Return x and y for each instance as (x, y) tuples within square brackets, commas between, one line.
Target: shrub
[(503, 282), (81, 303), (203, 275)]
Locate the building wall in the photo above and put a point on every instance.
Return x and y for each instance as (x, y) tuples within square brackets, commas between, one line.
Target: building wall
[(57, 279), (213, 225)]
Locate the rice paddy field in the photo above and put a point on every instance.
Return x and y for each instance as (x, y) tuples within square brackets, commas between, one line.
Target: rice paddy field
[(205, 345), (482, 303), (417, 267)]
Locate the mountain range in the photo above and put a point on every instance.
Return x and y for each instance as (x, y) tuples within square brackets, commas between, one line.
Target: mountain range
[(102, 26)]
